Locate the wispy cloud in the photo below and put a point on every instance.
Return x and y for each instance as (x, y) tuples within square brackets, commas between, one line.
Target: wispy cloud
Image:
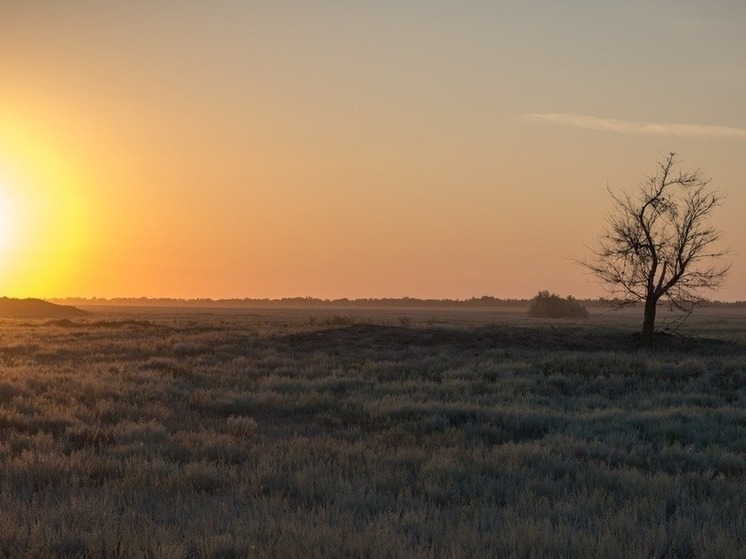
[(631, 127)]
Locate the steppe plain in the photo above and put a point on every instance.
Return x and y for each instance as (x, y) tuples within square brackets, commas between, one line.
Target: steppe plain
[(172, 433)]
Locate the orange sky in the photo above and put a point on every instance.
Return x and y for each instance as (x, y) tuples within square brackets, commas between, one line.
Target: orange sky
[(426, 149)]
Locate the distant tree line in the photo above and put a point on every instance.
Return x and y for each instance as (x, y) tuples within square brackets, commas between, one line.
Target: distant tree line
[(303, 302)]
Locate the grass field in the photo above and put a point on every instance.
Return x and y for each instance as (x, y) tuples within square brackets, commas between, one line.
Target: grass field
[(307, 433)]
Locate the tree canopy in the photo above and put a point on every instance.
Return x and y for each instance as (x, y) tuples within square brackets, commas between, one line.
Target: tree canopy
[(659, 244)]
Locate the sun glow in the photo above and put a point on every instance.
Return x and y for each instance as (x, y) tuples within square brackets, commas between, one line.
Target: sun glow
[(41, 218)]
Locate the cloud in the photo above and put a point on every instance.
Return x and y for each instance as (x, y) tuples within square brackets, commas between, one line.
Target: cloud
[(631, 127)]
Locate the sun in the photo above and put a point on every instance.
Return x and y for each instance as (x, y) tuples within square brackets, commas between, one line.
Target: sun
[(45, 188)]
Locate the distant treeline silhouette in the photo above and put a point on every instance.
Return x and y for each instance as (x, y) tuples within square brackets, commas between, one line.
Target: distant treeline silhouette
[(304, 302)]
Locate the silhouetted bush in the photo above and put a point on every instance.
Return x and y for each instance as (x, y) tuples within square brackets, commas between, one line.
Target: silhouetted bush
[(550, 305)]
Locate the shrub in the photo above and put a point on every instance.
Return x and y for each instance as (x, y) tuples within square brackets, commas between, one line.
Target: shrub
[(550, 305)]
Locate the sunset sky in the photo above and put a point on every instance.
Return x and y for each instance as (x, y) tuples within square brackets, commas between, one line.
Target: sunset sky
[(351, 149)]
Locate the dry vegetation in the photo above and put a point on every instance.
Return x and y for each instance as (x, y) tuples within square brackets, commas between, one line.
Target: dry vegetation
[(301, 435)]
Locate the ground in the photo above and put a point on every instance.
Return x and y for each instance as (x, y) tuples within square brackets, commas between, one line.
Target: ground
[(370, 433)]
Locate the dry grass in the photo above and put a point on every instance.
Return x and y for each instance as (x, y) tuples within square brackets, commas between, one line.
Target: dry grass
[(299, 434)]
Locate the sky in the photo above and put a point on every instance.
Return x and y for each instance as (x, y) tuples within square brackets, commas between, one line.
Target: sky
[(351, 149)]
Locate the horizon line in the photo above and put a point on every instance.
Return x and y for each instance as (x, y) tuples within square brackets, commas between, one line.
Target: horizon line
[(346, 300)]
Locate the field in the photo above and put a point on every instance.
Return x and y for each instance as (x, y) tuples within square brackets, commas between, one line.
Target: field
[(310, 433)]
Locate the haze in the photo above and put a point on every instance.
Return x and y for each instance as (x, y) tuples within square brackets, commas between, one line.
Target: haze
[(350, 149)]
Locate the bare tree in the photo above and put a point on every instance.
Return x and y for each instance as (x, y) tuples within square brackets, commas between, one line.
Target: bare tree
[(658, 244)]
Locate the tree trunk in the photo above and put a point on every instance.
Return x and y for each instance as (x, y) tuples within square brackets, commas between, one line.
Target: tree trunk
[(648, 323)]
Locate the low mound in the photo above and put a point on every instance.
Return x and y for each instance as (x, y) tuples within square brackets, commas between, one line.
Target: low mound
[(36, 308)]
